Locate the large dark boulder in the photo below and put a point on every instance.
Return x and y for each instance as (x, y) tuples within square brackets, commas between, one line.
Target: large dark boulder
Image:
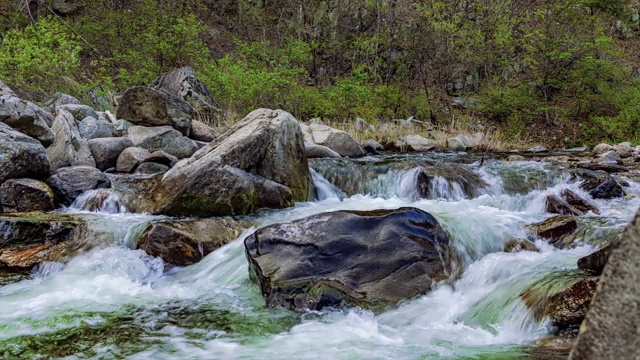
[(350, 258), (162, 138), (595, 262), (608, 190), (260, 162), (21, 156), (185, 85), (69, 147), (183, 243), (106, 150), (25, 117), (150, 107), (69, 182), (24, 195)]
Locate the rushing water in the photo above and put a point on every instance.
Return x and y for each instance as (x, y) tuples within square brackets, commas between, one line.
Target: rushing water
[(114, 302)]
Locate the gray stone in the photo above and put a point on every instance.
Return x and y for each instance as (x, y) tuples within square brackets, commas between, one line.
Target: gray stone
[(601, 148), (25, 117), (185, 85), (122, 126), (360, 125), (78, 111), (516, 158), (161, 157), (59, 99), (129, 159), (538, 149), (21, 156), (306, 132), (414, 143), (69, 148), (162, 138), (319, 151), (149, 168), (336, 140), (624, 149), (92, 128), (202, 132), (610, 329), (150, 107), (6, 90), (25, 195), (608, 157), (107, 150), (64, 7), (372, 147), (69, 182)]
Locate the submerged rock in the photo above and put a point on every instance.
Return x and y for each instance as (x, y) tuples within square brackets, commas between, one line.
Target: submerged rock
[(517, 245), (21, 156), (555, 228), (596, 261), (24, 195), (350, 258), (183, 243), (568, 308)]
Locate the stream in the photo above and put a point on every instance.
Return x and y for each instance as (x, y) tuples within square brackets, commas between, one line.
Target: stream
[(113, 302)]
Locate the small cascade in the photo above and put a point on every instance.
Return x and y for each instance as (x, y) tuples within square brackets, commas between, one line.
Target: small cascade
[(324, 189), (100, 201)]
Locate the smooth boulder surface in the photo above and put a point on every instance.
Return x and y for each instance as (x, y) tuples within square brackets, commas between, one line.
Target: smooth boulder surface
[(24, 117), (69, 148), (107, 150), (183, 243), (21, 156), (161, 157), (129, 159), (150, 168), (414, 143), (350, 258), (336, 140), (79, 112), (69, 182), (184, 84), (319, 151), (162, 138), (464, 142), (92, 128), (260, 162), (150, 107), (202, 132), (372, 147), (610, 329), (24, 195), (59, 99)]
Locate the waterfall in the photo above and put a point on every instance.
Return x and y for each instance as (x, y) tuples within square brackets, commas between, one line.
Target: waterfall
[(98, 200)]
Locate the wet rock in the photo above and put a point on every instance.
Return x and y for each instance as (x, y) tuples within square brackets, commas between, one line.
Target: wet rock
[(589, 179), (260, 162), (602, 148), (517, 245), (24, 195), (608, 168), (21, 156), (449, 180), (554, 228), (183, 243), (350, 258), (99, 200), (33, 238), (578, 202), (372, 147), (610, 328), (202, 132), (92, 128), (319, 151), (185, 85), (162, 138), (79, 112), (129, 159), (69, 148), (59, 99), (24, 117), (609, 157), (608, 190), (69, 182), (336, 140), (596, 261), (555, 205), (150, 107), (107, 150), (151, 168), (516, 158), (414, 143), (568, 308)]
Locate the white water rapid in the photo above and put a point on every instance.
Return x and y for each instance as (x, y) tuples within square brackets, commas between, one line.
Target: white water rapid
[(114, 302)]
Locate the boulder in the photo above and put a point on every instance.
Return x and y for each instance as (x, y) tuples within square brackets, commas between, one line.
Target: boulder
[(568, 308), (260, 162), (414, 143), (517, 245), (24, 117), (336, 140), (538, 149), (79, 112), (69, 148), (609, 157), (122, 126), (183, 243), (596, 261), (464, 142), (107, 150), (610, 329), (25, 195), (516, 158), (59, 99), (185, 85), (601, 149), (372, 147), (161, 157), (556, 205), (150, 168), (21, 156), (129, 159), (607, 190), (589, 179), (350, 258), (578, 202), (92, 128), (32, 238), (306, 132), (624, 149), (162, 138), (150, 107), (69, 182), (448, 180), (360, 125), (319, 151), (6, 90), (64, 7), (202, 132), (554, 228)]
